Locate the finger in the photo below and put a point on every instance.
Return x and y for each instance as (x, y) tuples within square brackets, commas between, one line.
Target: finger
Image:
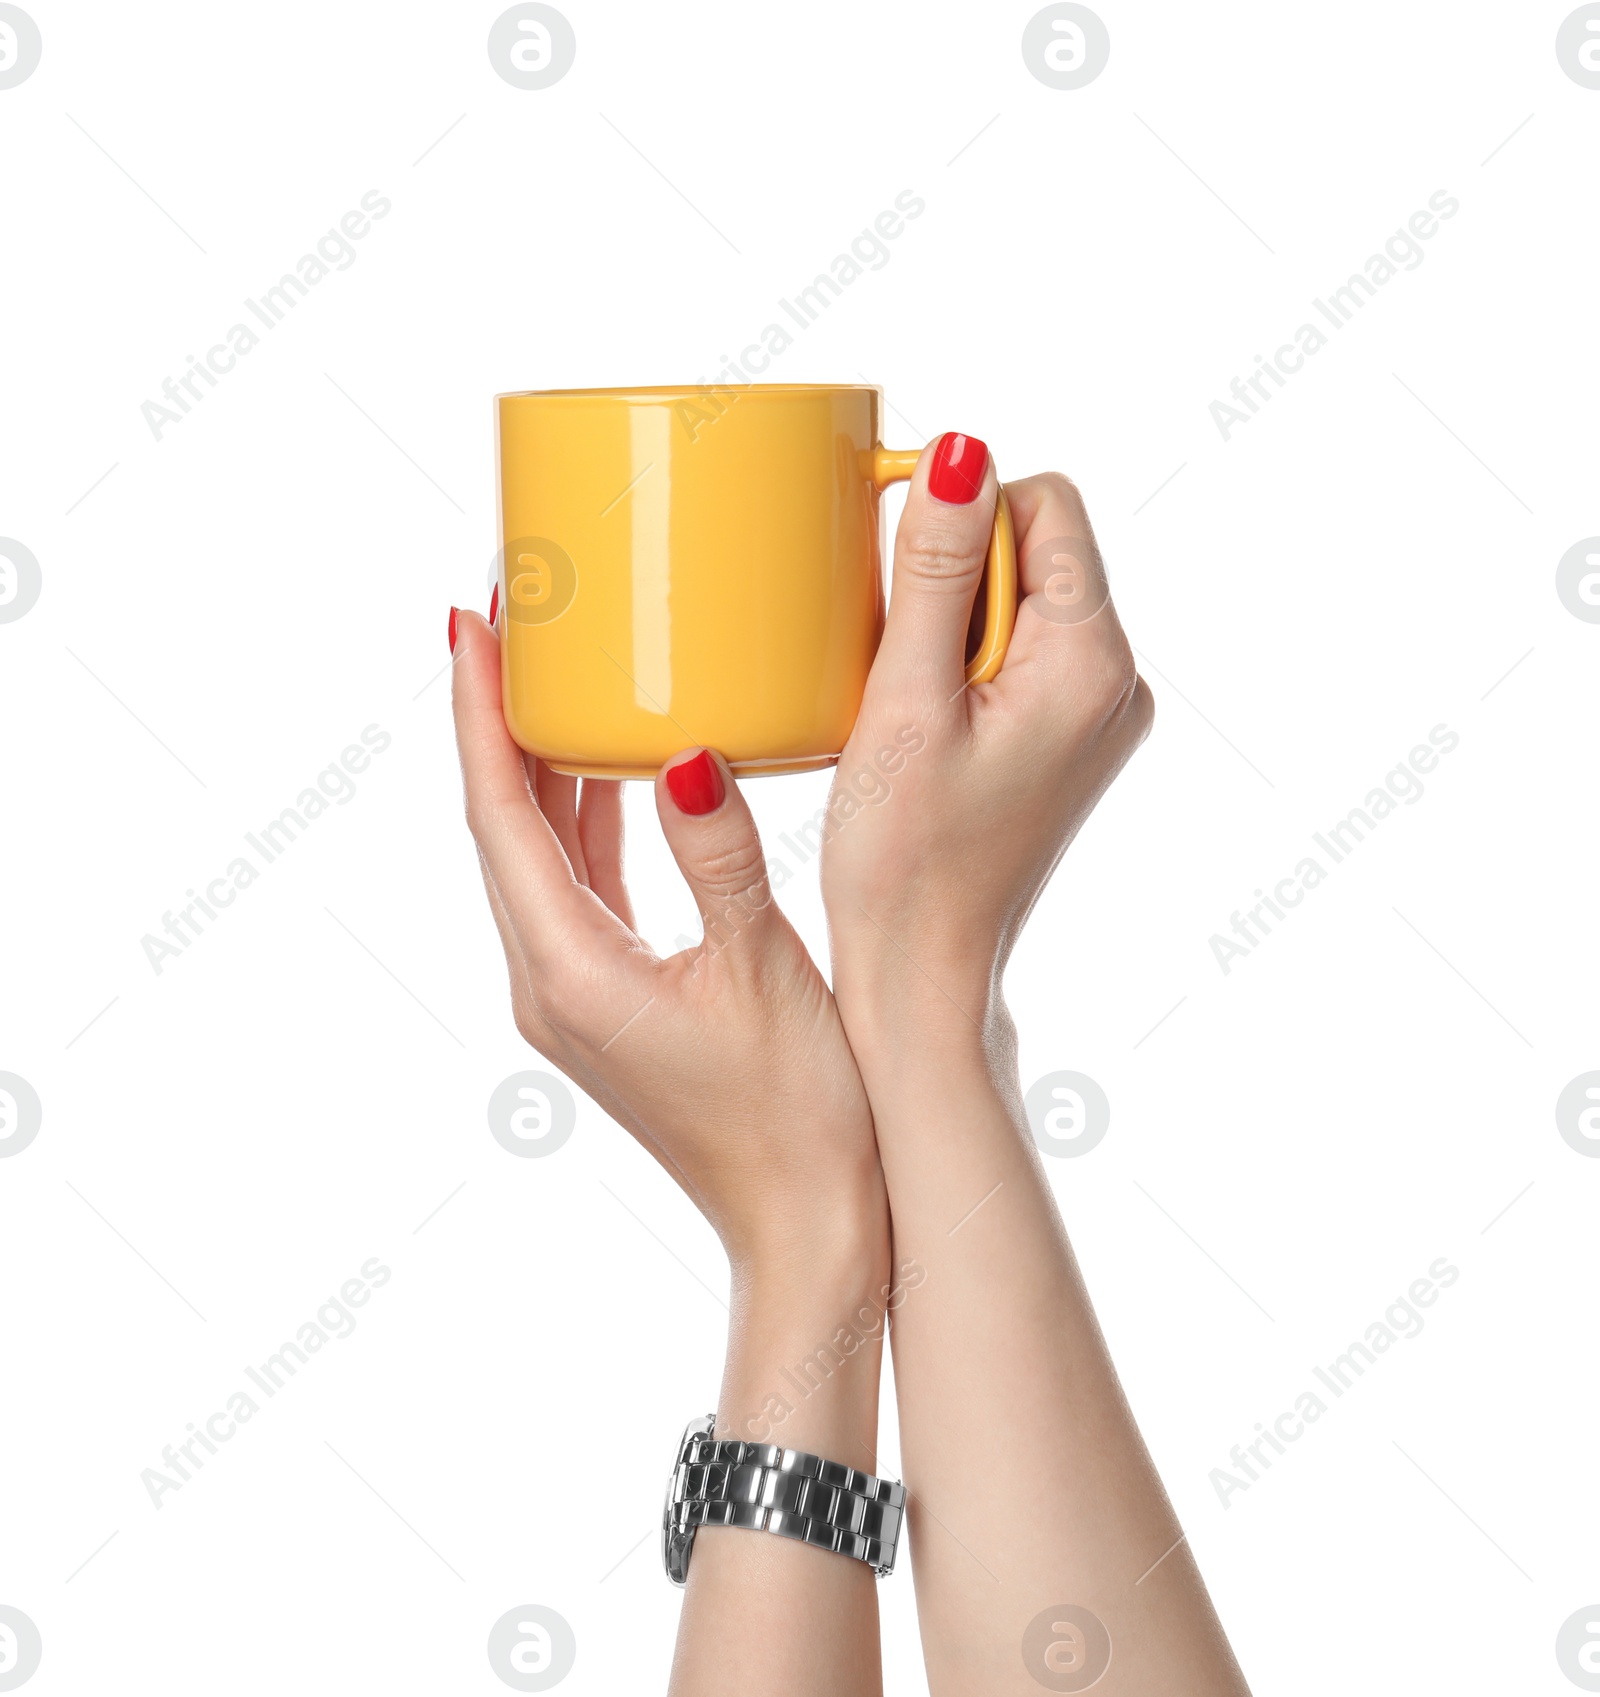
[(1069, 657), (529, 867), (600, 831), (1058, 558), (1066, 617), (516, 961), (557, 796), (939, 550), (1051, 492), (713, 839)]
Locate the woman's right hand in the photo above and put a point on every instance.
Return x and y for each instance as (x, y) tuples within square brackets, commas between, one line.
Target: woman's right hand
[(728, 1060)]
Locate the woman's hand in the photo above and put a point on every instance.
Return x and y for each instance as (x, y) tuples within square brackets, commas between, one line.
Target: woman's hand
[(952, 805), (1029, 1485), (727, 1061)]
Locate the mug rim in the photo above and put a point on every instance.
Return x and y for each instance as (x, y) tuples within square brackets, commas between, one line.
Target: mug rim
[(659, 391)]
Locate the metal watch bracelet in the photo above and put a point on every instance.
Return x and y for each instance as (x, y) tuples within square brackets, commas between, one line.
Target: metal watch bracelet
[(766, 1488)]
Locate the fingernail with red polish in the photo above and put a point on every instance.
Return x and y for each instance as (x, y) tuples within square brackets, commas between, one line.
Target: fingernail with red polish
[(696, 785), (452, 630), (494, 603), (959, 463)]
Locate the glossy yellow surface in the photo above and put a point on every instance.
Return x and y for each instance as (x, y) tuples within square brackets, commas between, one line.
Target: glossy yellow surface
[(684, 567)]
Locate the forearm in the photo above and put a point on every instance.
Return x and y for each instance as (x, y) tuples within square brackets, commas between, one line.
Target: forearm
[(1030, 1485), (765, 1613)]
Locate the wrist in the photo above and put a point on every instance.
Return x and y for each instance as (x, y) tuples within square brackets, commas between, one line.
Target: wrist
[(805, 1342), (935, 1018), (807, 1264), (822, 1214)]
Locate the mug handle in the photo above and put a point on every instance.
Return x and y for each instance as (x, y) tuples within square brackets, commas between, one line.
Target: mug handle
[(890, 465)]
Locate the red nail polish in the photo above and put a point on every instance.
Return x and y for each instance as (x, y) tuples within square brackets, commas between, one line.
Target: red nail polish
[(494, 603), (696, 785), (452, 630), (959, 463)]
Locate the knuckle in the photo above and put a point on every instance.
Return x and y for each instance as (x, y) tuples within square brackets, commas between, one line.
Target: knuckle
[(1109, 679), (1066, 492), (932, 554), (476, 814), (1141, 712), (484, 810), (529, 1020), (734, 870)]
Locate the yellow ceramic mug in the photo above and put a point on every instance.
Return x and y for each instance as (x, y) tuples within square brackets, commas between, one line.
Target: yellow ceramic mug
[(686, 567)]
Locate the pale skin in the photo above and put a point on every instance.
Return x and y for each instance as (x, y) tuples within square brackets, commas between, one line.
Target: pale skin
[(834, 1139)]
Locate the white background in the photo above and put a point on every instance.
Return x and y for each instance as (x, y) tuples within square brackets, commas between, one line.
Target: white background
[(1289, 1149)]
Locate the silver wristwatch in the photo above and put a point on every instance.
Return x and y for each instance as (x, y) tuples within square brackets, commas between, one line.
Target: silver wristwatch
[(765, 1488)]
